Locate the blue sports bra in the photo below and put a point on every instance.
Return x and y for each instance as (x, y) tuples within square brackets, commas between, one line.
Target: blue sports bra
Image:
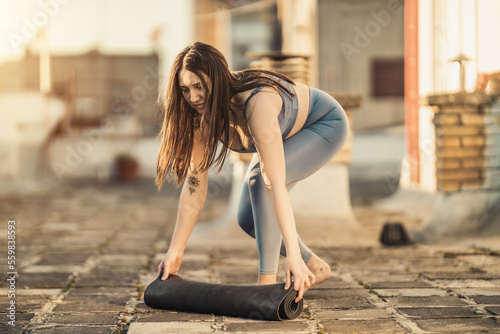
[(287, 115)]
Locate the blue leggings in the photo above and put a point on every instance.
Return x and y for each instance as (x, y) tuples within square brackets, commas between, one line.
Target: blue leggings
[(320, 139)]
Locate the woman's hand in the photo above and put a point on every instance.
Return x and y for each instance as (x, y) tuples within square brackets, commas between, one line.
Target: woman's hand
[(169, 265), (303, 278)]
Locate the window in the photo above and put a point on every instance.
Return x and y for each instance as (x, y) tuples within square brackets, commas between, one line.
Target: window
[(388, 77)]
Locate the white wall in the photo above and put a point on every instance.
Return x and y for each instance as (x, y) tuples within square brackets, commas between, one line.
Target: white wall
[(27, 118), (351, 34)]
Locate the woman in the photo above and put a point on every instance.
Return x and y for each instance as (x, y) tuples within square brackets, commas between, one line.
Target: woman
[(293, 128)]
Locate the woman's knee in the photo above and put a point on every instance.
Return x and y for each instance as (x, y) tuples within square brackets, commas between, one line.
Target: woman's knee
[(256, 185)]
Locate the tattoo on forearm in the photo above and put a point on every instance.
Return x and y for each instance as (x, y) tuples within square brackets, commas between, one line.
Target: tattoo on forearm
[(193, 182)]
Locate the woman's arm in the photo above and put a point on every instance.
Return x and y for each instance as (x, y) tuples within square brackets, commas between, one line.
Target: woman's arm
[(263, 111), (192, 199)]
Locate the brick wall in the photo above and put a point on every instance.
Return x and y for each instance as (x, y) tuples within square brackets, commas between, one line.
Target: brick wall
[(467, 141)]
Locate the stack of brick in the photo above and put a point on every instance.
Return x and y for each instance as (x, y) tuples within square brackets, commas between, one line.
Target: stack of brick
[(467, 129), (296, 66)]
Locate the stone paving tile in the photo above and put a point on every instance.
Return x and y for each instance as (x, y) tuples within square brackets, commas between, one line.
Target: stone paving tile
[(235, 273), (63, 258), (115, 271), (438, 312), (5, 328), (495, 310), (476, 291), (141, 307), (295, 326), (188, 265), (92, 303), (102, 290), (171, 328), (245, 262), (382, 269), (89, 280), (61, 329), (470, 325), (361, 314), (55, 227), (24, 303), (238, 278), (488, 300), (122, 260), (44, 269), (481, 261), (335, 293), (31, 249), (399, 285), (34, 292), (119, 248), (426, 301), (42, 280), (83, 318), (168, 316), (97, 224), (469, 283), (460, 275), (371, 277), (336, 283), (22, 320), (363, 326), (410, 292), (202, 275), (339, 303)]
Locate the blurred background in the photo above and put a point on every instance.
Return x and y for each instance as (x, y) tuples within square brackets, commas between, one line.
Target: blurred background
[(79, 83), (80, 79)]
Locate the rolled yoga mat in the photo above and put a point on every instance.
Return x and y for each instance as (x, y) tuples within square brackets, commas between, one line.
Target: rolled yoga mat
[(264, 302)]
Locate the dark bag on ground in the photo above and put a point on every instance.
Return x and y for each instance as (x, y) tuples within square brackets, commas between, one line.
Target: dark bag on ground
[(394, 234)]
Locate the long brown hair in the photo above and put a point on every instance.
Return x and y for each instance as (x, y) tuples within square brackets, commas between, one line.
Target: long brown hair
[(180, 119)]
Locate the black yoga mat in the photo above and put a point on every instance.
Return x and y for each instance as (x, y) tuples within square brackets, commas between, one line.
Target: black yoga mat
[(264, 302)]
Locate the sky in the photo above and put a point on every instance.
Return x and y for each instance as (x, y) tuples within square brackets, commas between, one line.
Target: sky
[(75, 26)]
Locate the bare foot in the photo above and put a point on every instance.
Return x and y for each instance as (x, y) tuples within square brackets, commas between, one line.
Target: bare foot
[(319, 268), (266, 279)]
